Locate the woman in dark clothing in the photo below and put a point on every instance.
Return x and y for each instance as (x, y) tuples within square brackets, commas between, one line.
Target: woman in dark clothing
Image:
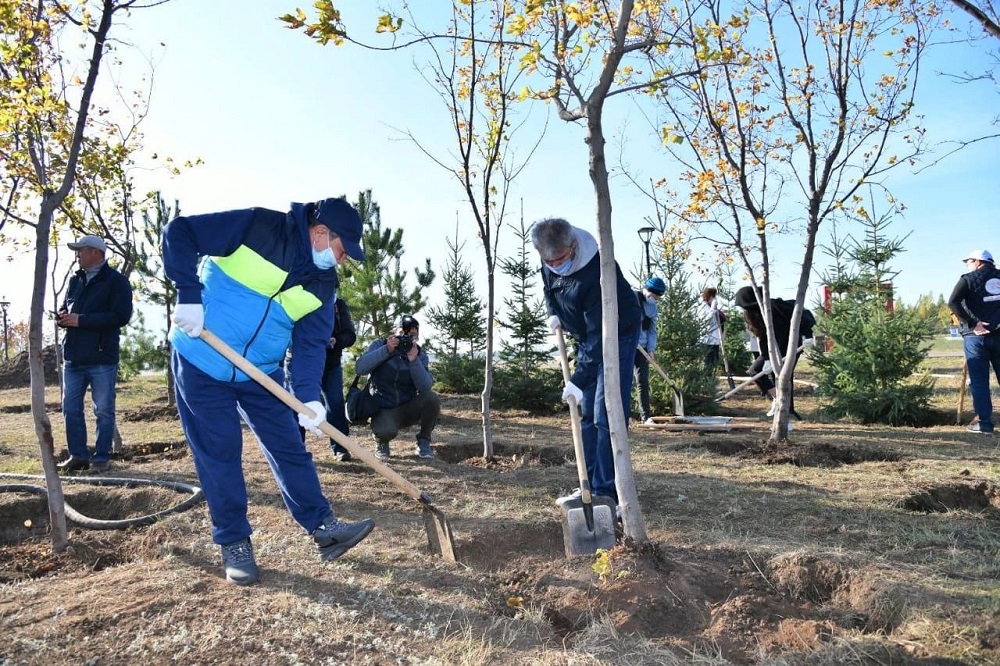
[(754, 319)]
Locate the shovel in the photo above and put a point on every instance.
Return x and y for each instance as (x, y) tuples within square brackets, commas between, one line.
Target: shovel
[(439, 535), (678, 394), (725, 361), (588, 520)]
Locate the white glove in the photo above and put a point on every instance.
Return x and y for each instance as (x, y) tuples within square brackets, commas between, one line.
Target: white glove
[(767, 367), (572, 390), (553, 323), (310, 423), (808, 343), (190, 318)]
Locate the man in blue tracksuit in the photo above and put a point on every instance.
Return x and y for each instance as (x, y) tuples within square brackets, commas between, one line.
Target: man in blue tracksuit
[(571, 276), (267, 279)]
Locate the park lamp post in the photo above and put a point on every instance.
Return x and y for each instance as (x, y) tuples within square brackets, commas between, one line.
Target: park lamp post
[(646, 233), (6, 340)]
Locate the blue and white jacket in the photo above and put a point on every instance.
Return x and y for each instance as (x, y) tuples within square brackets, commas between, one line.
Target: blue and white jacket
[(260, 288)]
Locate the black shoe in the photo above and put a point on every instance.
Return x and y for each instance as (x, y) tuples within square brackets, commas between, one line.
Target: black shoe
[(334, 538), (424, 449), (100, 467), (340, 453), (73, 465)]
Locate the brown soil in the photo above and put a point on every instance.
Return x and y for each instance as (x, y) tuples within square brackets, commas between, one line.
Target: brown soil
[(156, 593), (15, 373)]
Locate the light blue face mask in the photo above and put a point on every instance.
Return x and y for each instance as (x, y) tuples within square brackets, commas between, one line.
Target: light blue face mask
[(563, 268), (324, 259)]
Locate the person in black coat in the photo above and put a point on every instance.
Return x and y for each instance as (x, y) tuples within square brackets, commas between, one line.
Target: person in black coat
[(344, 335), (97, 305), (754, 318)]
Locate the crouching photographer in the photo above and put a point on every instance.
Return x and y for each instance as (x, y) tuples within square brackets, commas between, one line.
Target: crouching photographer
[(401, 379)]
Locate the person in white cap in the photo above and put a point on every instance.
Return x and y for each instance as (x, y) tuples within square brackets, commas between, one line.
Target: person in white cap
[(975, 301), (98, 303)]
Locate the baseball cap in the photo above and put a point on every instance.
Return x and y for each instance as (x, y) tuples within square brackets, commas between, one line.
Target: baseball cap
[(342, 219), (979, 255), (408, 322), (95, 242)]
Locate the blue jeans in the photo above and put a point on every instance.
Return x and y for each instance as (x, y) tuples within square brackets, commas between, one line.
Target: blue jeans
[(101, 380), (642, 382), (596, 429), (982, 352)]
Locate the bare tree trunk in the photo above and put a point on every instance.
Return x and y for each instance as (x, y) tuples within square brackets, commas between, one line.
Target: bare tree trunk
[(171, 398), (632, 518), (488, 384), (36, 368)]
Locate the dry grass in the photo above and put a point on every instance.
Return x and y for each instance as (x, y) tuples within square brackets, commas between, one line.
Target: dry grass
[(850, 545)]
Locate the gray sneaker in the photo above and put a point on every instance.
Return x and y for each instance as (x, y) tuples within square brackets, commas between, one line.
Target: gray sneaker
[(424, 449), (382, 451), (100, 467), (334, 538), (238, 562)]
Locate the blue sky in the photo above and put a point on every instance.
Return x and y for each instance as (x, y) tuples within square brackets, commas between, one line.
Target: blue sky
[(276, 118)]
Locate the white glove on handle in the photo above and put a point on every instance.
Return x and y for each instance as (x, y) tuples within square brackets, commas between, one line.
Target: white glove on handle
[(553, 323), (808, 343), (190, 318), (311, 423), (572, 390), (767, 367)]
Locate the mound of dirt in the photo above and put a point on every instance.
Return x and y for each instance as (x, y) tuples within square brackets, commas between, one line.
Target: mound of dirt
[(15, 373)]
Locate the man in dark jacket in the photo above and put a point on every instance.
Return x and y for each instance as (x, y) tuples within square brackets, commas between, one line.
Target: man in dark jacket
[(571, 277), (332, 387), (260, 280), (975, 300), (401, 378), (97, 305)]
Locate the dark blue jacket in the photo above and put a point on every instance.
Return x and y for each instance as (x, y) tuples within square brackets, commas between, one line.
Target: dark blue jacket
[(261, 292), (396, 381), (576, 299), (105, 306)]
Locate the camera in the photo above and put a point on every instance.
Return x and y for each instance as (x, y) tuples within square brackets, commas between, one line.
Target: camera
[(405, 343)]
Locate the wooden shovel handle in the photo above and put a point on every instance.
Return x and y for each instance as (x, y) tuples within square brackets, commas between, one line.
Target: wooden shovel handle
[(356, 450), (574, 415)]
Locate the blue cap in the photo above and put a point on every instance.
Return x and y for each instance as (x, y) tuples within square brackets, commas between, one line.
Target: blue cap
[(342, 219), (656, 286)]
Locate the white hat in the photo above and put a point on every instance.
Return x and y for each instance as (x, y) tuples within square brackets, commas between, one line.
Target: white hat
[(95, 242)]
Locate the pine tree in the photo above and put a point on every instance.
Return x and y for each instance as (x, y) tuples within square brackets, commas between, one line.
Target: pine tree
[(867, 375), (461, 318), (376, 289), (148, 262), (528, 347)]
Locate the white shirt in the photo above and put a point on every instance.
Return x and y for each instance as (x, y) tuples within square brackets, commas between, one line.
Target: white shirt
[(709, 313)]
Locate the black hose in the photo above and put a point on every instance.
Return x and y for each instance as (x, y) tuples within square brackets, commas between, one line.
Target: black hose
[(196, 496)]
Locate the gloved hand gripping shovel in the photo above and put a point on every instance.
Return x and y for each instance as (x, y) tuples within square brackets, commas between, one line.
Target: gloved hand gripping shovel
[(439, 535), (588, 520)]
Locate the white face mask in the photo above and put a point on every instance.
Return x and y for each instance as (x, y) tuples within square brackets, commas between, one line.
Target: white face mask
[(651, 299), (324, 258)]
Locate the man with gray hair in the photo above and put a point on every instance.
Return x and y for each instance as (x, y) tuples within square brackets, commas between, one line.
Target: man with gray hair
[(571, 277), (975, 300)]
